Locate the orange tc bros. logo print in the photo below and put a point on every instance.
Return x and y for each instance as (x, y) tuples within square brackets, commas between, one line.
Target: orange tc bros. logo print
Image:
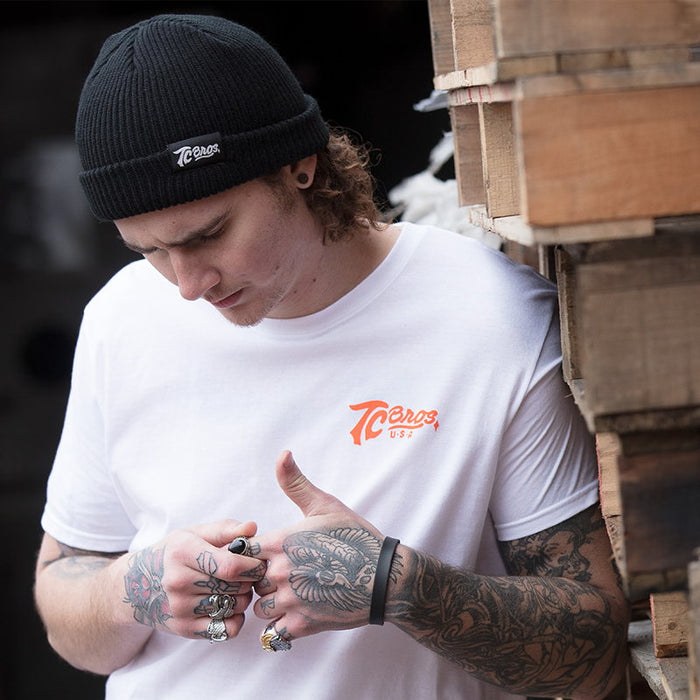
[(378, 417)]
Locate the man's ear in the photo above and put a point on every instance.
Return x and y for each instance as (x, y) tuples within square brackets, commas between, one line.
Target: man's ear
[(303, 171)]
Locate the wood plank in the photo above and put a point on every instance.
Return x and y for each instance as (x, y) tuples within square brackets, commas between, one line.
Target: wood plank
[(502, 71), (547, 73), (498, 159), (472, 33), (515, 228), (566, 290), (467, 156), (615, 530), (524, 27), (642, 656), (525, 255), (694, 626), (669, 620), (669, 419), (608, 449), (657, 476), (608, 156), (441, 44), (674, 677), (634, 78), (660, 493), (639, 321), (461, 91)]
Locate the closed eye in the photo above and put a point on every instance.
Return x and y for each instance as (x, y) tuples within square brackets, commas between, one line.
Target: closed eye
[(189, 243)]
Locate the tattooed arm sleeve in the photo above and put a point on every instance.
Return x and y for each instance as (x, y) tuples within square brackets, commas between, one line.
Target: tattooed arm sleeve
[(555, 627), (73, 591)]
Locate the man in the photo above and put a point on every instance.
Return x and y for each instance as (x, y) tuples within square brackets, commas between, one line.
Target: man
[(414, 373)]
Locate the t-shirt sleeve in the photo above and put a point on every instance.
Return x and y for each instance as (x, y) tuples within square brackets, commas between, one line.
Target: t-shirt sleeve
[(82, 507), (547, 468)]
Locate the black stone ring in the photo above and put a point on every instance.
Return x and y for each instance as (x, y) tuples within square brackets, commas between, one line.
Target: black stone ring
[(241, 546)]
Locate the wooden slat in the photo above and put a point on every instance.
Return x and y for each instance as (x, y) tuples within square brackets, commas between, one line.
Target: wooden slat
[(694, 626), (615, 530), (669, 619), (660, 493), (621, 58), (441, 36), (524, 27), (608, 449), (639, 320), (502, 71), (467, 157), (566, 289), (551, 73), (609, 156), (650, 488), (498, 159), (472, 33), (516, 229), (668, 678), (670, 419), (459, 95), (635, 78)]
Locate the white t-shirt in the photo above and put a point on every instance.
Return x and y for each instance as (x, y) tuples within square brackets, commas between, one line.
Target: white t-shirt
[(429, 399)]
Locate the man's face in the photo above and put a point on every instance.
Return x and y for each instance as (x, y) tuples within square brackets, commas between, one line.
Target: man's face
[(251, 251)]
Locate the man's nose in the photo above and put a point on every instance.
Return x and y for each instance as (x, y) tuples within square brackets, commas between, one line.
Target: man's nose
[(193, 276)]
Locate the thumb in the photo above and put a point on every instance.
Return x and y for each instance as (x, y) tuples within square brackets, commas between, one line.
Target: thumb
[(309, 499)]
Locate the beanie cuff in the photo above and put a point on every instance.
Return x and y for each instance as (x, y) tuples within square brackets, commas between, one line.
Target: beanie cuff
[(139, 185)]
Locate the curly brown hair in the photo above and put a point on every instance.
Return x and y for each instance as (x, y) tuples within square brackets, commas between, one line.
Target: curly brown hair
[(341, 194)]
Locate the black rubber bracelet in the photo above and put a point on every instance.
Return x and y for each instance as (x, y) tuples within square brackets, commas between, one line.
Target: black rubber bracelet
[(381, 581)]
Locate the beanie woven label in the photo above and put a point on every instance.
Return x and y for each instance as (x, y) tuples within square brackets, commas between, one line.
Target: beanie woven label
[(201, 150)]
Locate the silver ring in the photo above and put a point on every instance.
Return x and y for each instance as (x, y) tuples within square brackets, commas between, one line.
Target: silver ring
[(241, 545), (216, 629), (272, 640), (223, 605)]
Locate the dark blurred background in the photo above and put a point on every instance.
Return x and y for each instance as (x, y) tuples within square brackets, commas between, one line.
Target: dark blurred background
[(367, 62)]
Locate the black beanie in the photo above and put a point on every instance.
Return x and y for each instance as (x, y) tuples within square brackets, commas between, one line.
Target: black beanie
[(180, 107)]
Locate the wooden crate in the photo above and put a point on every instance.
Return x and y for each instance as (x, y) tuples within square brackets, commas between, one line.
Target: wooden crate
[(485, 41), (639, 324), (588, 115), (573, 155), (631, 329), (650, 490)]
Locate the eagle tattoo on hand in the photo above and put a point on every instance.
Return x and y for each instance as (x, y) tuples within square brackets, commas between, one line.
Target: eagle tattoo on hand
[(334, 569)]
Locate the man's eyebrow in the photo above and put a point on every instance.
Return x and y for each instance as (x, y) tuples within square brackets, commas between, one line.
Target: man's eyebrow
[(188, 238)]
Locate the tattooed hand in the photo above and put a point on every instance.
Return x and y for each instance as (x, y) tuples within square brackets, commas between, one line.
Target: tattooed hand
[(320, 573), (169, 584)]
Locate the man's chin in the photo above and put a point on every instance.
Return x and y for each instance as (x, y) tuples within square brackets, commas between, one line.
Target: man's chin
[(240, 319)]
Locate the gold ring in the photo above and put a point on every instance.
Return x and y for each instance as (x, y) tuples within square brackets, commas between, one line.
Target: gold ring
[(272, 640)]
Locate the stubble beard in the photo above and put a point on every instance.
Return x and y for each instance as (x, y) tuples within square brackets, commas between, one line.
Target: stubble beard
[(248, 318)]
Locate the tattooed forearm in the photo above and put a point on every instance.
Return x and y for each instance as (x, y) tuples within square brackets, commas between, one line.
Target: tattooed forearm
[(73, 562), (545, 630), (531, 635), (144, 588), (555, 551)]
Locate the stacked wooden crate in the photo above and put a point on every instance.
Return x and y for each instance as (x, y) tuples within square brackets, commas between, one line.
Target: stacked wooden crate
[(577, 139)]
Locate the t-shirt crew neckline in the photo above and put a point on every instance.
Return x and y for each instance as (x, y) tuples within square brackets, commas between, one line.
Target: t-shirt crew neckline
[(351, 303)]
